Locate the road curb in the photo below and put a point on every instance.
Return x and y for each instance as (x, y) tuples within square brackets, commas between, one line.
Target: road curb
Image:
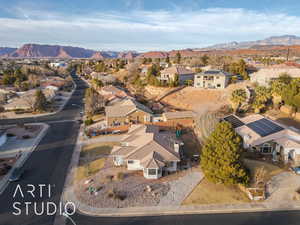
[(59, 220), (185, 212), (21, 161)]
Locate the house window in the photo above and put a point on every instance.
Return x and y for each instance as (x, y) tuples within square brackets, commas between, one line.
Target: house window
[(218, 85), (152, 171), (130, 161), (266, 148), (217, 77)]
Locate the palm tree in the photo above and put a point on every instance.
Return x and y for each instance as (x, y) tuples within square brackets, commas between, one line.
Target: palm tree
[(277, 90), (238, 97), (262, 96)]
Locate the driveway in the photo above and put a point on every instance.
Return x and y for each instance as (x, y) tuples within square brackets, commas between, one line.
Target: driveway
[(282, 188)]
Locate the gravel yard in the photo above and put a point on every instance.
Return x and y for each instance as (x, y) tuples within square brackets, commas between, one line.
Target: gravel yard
[(116, 187)]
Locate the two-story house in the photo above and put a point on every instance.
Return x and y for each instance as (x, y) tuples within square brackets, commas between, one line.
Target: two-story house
[(183, 73), (215, 79)]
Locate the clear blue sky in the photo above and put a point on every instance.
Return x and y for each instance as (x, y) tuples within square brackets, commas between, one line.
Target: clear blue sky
[(144, 24)]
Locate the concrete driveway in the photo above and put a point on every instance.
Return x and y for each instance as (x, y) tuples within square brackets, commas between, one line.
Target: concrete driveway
[(282, 188)]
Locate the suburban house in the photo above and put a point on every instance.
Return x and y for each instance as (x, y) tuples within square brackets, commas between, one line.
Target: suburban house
[(265, 75), (104, 77), (113, 94), (184, 118), (212, 79), (148, 149), (26, 100), (127, 111), (169, 74), (267, 137), (53, 81)]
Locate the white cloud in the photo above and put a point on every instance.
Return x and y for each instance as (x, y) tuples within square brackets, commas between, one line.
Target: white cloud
[(145, 30)]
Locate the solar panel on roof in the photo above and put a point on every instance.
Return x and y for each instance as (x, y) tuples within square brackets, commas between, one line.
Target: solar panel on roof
[(264, 127), (235, 122)]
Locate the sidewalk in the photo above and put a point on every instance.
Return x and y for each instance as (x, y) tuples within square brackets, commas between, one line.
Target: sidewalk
[(177, 210), (25, 155)]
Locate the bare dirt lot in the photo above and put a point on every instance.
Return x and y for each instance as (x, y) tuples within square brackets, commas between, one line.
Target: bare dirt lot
[(197, 100)]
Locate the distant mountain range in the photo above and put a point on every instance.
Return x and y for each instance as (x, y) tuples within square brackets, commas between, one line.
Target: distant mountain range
[(271, 41), (57, 51), (274, 44)]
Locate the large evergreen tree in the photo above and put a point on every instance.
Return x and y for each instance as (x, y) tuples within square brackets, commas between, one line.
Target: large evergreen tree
[(221, 156), (40, 103)]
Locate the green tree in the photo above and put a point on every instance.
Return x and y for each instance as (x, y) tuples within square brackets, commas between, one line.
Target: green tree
[(178, 58), (221, 157), (168, 60), (262, 96), (40, 103), (238, 97)]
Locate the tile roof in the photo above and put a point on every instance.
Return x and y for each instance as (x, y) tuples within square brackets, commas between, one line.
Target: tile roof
[(147, 144), (181, 70), (125, 107)]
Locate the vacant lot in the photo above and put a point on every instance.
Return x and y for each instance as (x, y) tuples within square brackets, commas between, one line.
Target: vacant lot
[(209, 193), (198, 100)]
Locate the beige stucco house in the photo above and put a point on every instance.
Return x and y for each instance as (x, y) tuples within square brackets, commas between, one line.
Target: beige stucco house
[(148, 149), (215, 79), (127, 111), (183, 73)]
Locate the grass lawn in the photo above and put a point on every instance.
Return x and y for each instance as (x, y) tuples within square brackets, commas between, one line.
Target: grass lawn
[(271, 170), (96, 149), (210, 193), (86, 170), (98, 117)]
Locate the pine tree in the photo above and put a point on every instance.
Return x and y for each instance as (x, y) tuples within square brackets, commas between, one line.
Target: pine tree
[(221, 156), (40, 103)]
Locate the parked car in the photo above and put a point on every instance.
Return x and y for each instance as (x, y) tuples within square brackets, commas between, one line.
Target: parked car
[(16, 174), (116, 132), (297, 170)]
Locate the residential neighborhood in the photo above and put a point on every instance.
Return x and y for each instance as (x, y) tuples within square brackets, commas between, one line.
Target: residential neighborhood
[(147, 112)]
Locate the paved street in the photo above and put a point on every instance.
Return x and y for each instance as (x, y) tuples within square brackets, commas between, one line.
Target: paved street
[(47, 165), (261, 218)]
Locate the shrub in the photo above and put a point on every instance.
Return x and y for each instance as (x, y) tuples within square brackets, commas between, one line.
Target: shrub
[(26, 137), (113, 193), (120, 176), (88, 122)]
